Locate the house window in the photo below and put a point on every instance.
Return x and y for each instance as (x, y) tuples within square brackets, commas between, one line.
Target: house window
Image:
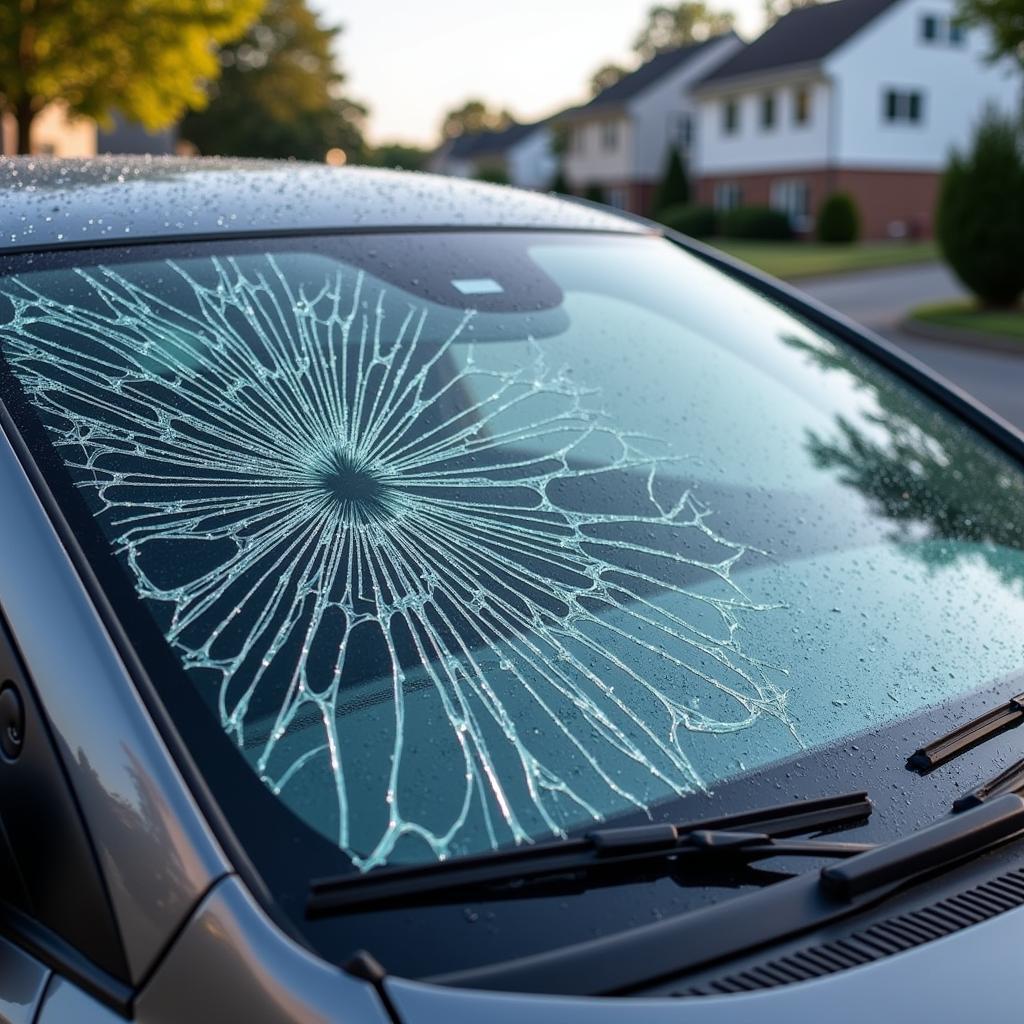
[(792, 197), (768, 110), (731, 117), (683, 131), (902, 106), (801, 105), (937, 30), (610, 136), (728, 195)]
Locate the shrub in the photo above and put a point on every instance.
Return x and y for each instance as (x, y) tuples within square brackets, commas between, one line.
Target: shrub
[(838, 219), (595, 193), (674, 189), (494, 173), (695, 221), (980, 216), (756, 222), (560, 183)]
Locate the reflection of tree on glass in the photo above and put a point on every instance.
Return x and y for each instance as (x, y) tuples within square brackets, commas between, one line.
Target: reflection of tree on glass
[(922, 471)]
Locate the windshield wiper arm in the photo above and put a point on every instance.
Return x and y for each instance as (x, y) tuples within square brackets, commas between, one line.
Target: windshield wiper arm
[(734, 839), (978, 730)]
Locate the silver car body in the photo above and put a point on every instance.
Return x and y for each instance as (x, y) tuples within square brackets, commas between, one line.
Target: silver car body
[(200, 946)]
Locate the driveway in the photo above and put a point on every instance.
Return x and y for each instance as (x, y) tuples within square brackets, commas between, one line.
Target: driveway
[(880, 299)]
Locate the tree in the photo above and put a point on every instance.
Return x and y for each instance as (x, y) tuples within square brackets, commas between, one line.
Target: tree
[(605, 77), (775, 9), (674, 189), (1004, 19), (688, 22), (150, 61), (280, 94), (560, 183), (980, 218), (904, 469), (398, 154), (474, 116)]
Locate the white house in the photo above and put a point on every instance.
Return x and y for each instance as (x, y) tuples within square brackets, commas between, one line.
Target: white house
[(866, 97), (54, 133), (620, 141), (522, 154)]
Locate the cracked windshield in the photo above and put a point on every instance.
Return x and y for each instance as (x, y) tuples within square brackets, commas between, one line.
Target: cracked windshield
[(471, 540)]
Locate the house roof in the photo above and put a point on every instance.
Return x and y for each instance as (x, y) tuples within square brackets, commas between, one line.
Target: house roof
[(804, 36), (645, 76), (474, 144)]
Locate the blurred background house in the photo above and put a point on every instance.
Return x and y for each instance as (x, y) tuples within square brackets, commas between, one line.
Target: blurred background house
[(54, 133), (617, 145), (520, 154), (864, 97)]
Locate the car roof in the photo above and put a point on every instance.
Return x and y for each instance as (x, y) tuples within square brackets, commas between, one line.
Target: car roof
[(49, 203)]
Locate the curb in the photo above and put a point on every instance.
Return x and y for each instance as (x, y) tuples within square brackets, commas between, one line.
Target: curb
[(957, 336)]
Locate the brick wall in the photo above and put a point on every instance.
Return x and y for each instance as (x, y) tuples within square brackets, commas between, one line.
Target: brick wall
[(884, 198)]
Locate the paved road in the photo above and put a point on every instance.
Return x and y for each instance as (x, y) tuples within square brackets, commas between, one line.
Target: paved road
[(879, 300)]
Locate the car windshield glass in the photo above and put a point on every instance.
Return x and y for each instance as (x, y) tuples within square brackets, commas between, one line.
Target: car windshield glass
[(470, 539)]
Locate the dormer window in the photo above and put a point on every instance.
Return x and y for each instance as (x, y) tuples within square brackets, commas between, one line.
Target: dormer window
[(937, 30)]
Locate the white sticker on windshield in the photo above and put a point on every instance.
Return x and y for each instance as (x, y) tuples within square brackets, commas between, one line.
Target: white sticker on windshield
[(477, 285)]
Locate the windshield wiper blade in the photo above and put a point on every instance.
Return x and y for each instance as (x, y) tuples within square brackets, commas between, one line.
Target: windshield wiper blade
[(626, 962), (733, 839), (1009, 781), (961, 739)]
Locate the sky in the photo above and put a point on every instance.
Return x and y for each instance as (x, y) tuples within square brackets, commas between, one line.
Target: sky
[(412, 61)]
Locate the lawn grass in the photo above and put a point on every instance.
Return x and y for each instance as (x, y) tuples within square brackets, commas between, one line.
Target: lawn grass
[(965, 316), (810, 259)]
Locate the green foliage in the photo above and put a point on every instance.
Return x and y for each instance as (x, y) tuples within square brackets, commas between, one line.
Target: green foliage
[(669, 27), (605, 77), (474, 116), (150, 61), (398, 154), (1004, 20), (980, 217), (689, 219), (560, 183), (493, 172), (279, 94), (760, 222), (594, 192), (775, 9), (674, 189), (838, 219)]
